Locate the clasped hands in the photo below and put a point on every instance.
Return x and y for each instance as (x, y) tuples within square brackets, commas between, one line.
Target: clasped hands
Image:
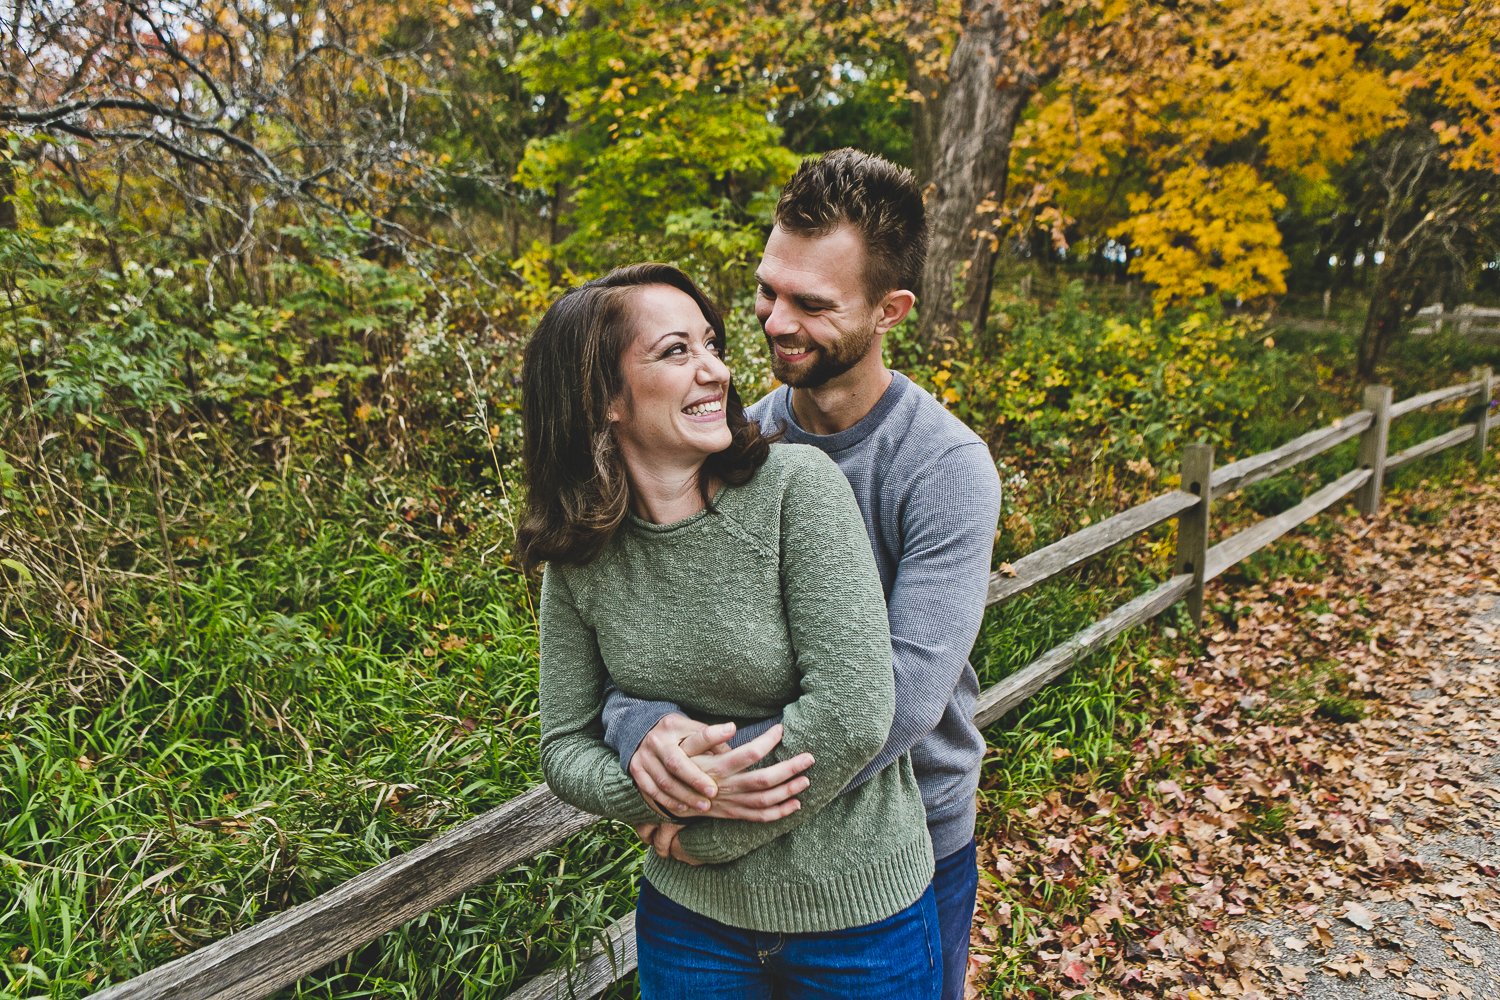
[(687, 768)]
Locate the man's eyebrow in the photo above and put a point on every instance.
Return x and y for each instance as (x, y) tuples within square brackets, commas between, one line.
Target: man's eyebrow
[(806, 301)]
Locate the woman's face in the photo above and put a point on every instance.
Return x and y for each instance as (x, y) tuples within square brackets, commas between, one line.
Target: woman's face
[(670, 415)]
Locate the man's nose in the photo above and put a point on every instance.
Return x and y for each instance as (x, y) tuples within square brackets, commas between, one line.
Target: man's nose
[(779, 320)]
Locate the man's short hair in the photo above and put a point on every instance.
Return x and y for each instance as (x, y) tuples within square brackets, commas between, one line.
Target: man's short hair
[(881, 200)]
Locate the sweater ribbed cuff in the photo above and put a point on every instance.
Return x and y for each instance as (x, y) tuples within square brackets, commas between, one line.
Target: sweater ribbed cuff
[(624, 802)]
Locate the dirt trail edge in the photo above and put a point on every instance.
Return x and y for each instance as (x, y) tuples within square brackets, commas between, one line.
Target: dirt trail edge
[(1317, 812)]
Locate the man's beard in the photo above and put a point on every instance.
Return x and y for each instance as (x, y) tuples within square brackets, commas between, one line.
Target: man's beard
[(827, 363)]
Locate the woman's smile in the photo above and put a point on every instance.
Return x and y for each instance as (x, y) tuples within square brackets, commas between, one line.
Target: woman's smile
[(708, 410)]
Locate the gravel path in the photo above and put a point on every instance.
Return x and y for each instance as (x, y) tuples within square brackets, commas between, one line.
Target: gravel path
[(1439, 934)]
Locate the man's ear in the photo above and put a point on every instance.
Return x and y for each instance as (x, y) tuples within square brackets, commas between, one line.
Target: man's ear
[(894, 307)]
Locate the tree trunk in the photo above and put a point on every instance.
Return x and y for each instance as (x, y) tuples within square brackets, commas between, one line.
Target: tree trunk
[(985, 97), (7, 194), (1383, 319), (925, 79), (8, 218)]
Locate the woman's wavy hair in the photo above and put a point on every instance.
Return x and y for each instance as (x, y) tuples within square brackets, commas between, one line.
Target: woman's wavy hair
[(577, 489)]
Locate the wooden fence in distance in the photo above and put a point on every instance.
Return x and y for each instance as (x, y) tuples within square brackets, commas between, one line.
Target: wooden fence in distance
[(260, 960), (1468, 320)]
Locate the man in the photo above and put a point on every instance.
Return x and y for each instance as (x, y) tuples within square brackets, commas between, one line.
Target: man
[(847, 247)]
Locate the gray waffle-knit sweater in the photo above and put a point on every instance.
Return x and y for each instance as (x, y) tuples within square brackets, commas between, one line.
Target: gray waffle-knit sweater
[(767, 603), (930, 496)]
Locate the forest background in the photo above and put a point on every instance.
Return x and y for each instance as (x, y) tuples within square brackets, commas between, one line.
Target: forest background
[(268, 266)]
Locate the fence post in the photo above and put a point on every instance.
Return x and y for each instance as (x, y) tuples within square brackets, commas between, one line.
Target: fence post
[(1465, 318), (1192, 524), (1372, 447), (1486, 380)]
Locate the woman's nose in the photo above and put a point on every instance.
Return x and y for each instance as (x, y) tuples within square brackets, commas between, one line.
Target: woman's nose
[(713, 369)]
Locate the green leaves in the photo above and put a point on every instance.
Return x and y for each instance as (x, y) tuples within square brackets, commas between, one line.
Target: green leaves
[(19, 569), (673, 109)]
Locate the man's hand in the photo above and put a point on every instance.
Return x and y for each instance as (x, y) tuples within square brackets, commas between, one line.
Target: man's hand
[(662, 767), (662, 838), (688, 768)]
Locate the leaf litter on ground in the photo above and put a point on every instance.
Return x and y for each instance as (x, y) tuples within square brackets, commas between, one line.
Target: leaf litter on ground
[(1299, 766)]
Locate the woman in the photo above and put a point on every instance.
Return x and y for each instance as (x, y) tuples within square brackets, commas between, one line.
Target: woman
[(689, 560)]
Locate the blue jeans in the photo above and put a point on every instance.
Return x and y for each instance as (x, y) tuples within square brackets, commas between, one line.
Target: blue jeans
[(956, 883), (684, 955)]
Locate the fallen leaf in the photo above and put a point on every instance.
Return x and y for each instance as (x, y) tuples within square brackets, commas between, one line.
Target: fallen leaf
[(1358, 915)]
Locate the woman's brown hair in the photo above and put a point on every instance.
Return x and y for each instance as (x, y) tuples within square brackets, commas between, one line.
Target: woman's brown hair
[(577, 490)]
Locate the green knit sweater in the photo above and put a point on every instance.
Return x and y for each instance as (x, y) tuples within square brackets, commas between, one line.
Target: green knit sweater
[(768, 602)]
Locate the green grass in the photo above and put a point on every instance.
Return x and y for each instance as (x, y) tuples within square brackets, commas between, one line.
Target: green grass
[(349, 668), (325, 700)]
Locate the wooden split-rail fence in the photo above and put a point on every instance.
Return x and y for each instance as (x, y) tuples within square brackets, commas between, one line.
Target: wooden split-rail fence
[(1468, 319), (263, 959)]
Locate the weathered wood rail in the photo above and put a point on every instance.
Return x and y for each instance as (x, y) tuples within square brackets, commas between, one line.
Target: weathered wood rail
[(1468, 319), (260, 960)]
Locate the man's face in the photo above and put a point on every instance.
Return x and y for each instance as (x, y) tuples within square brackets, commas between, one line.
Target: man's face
[(810, 300)]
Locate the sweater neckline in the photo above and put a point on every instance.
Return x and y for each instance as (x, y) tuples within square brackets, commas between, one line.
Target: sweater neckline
[(651, 527), (849, 436)]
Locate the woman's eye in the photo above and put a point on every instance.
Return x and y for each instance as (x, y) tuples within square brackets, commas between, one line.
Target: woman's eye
[(717, 346)]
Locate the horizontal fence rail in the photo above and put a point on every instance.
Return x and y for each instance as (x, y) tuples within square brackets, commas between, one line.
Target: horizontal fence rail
[(1431, 446), (1000, 698), (275, 953), (1433, 398), (1237, 475), (1043, 564), (1237, 548), (1467, 319), (280, 950)]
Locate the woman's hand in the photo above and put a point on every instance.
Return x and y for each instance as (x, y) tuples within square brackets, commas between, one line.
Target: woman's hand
[(689, 769), (662, 838)]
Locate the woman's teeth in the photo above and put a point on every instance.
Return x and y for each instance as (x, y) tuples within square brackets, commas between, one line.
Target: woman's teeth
[(700, 409)]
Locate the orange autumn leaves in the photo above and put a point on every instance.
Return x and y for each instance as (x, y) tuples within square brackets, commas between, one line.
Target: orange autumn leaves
[(1301, 803)]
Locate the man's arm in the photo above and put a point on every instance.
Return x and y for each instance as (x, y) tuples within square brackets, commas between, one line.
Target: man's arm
[(936, 603), (627, 720)]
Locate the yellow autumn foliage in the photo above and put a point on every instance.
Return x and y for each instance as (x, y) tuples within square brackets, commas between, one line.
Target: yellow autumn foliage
[(1186, 138), (1209, 230)]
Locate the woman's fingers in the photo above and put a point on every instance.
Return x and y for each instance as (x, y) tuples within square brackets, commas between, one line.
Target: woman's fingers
[(721, 766), (765, 795), (766, 777), (708, 739), (747, 809)]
